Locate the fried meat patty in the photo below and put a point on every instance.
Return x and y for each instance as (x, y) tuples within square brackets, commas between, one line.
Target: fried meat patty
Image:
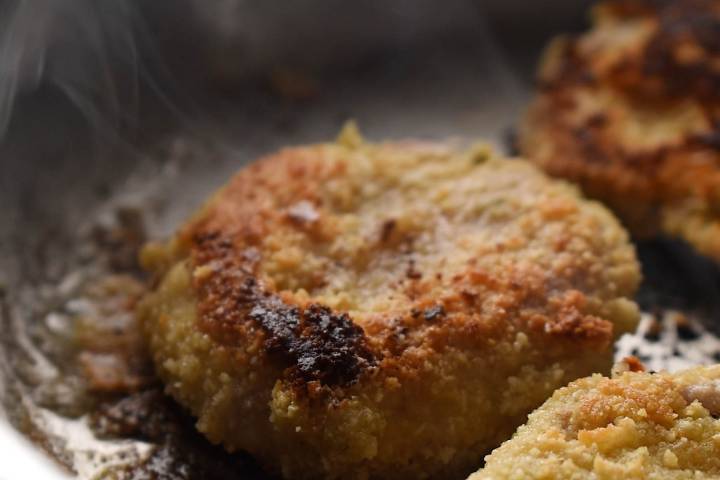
[(635, 425), (631, 111), (394, 310)]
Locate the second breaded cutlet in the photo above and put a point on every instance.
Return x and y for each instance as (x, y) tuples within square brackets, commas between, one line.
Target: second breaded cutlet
[(630, 110)]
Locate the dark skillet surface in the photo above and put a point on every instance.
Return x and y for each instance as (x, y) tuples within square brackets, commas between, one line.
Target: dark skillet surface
[(63, 180)]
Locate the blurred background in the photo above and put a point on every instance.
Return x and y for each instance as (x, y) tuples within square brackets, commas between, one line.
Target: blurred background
[(82, 81)]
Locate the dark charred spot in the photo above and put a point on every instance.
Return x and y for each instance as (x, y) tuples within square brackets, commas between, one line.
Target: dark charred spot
[(318, 344), (434, 313), (315, 343)]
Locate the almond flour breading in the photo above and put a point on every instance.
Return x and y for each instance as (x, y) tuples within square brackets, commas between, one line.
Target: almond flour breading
[(356, 310)]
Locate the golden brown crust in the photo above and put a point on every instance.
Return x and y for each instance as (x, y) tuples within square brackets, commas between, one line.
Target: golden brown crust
[(363, 308), (630, 111), (271, 196), (235, 299), (317, 344)]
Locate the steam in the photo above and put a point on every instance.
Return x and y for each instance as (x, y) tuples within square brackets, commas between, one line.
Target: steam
[(87, 49)]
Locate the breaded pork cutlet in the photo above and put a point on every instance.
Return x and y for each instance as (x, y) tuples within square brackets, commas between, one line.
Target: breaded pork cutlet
[(395, 310), (631, 111), (635, 425)]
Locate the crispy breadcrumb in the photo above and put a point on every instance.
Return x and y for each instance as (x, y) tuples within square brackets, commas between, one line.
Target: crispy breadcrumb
[(630, 111), (636, 425), (356, 310)]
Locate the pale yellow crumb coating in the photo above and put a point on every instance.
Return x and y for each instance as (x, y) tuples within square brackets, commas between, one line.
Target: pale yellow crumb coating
[(636, 425), (464, 289)]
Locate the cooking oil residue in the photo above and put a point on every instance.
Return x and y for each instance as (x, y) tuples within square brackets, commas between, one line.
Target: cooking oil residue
[(81, 381)]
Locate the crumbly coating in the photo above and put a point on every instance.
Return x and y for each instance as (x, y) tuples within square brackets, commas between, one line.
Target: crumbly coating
[(635, 425), (630, 111), (395, 310)]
